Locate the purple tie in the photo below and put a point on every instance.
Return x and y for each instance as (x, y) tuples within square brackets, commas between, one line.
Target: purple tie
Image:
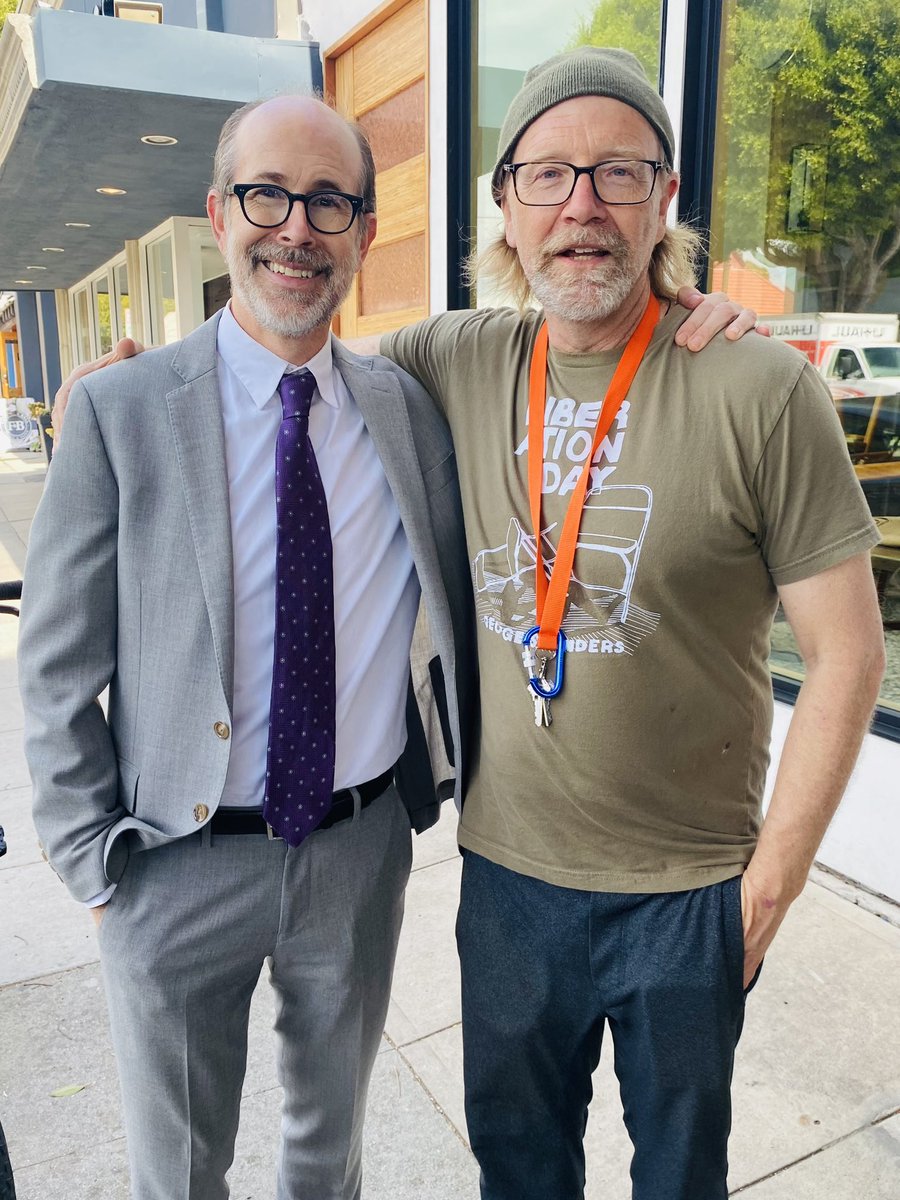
[(300, 759)]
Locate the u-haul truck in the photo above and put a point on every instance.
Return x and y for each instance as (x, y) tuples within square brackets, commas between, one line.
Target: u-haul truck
[(857, 353), (859, 358)]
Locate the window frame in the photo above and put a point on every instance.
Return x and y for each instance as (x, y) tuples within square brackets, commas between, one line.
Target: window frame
[(88, 285)]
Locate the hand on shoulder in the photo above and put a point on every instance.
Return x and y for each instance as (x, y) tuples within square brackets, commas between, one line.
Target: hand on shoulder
[(126, 348), (710, 315)]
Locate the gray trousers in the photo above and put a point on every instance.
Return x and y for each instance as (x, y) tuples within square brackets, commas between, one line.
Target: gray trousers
[(182, 945)]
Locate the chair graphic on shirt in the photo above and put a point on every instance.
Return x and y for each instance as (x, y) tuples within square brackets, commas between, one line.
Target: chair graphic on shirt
[(605, 565)]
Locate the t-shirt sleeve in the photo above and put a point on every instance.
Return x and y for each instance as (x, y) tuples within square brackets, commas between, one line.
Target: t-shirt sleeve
[(813, 511), (426, 350)]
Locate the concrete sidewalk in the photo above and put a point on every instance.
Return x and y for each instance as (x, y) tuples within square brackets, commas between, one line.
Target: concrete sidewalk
[(817, 1086)]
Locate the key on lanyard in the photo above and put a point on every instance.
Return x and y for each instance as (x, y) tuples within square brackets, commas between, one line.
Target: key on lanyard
[(535, 663)]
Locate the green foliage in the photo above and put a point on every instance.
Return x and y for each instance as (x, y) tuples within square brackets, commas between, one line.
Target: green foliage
[(817, 80), (7, 7), (631, 24)]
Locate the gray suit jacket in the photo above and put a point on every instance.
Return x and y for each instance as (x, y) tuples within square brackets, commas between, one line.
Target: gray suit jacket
[(128, 585)]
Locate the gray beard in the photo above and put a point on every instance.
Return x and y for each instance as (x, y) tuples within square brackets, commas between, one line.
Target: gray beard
[(295, 315), (593, 297)]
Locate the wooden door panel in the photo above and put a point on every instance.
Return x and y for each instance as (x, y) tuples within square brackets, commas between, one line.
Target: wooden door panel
[(390, 58), (379, 75), (394, 277), (384, 323), (402, 194)]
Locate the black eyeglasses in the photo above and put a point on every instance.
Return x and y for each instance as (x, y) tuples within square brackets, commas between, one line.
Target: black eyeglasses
[(267, 205), (619, 181)]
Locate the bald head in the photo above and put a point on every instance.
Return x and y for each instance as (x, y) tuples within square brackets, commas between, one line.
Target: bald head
[(297, 117)]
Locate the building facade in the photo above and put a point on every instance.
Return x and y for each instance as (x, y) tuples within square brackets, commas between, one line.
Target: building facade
[(109, 114)]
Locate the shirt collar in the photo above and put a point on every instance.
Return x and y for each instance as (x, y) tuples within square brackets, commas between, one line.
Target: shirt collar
[(260, 371)]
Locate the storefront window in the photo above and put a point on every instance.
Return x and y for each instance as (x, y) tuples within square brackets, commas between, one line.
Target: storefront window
[(512, 38), (805, 229), (161, 274)]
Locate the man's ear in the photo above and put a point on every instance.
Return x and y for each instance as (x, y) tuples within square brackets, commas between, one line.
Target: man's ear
[(215, 210), (370, 225), (666, 195), (508, 222)]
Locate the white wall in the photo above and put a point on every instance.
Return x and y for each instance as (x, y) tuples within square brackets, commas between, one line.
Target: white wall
[(329, 20), (864, 836)]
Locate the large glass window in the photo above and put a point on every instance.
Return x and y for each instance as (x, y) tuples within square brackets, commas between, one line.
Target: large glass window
[(806, 229), (101, 311), (512, 38)]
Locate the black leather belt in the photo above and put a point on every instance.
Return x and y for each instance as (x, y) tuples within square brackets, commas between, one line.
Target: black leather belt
[(244, 820)]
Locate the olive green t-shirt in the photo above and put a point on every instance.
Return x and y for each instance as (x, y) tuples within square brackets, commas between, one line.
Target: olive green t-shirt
[(725, 474)]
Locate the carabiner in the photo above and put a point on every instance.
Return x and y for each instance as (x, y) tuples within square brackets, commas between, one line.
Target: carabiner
[(536, 682)]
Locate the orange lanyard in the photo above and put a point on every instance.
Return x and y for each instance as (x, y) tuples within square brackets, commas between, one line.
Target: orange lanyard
[(551, 597)]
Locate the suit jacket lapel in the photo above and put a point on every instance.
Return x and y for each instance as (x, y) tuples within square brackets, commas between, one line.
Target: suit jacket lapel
[(383, 406), (195, 412)]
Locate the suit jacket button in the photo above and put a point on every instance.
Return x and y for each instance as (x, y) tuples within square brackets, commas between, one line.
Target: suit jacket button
[(201, 812), (222, 730)]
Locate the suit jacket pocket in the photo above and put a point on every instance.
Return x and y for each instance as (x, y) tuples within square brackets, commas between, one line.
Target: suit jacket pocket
[(129, 777), (440, 474)]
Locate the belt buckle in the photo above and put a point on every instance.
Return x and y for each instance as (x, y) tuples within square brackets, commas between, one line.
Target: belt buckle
[(272, 835)]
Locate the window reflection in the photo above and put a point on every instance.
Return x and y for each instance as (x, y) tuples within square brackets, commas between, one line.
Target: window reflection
[(806, 229)]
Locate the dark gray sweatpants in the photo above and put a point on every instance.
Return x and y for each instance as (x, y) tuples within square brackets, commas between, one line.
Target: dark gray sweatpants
[(544, 970)]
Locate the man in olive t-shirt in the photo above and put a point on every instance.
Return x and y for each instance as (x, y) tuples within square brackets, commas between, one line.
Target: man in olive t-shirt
[(617, 868)]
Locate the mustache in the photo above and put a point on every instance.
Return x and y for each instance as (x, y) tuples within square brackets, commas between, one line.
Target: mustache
[(303, 260), (609, 240)]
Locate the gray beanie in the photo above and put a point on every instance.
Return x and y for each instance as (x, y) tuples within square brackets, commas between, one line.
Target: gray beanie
[(587, 71)]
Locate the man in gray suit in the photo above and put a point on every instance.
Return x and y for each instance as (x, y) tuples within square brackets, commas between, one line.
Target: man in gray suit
[(168, 560)]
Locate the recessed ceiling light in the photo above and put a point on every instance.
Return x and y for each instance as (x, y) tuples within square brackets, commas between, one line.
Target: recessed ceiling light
[(111, 191), (159, 139), (22, 281), (53, 249), (35, 268), (77, 225)]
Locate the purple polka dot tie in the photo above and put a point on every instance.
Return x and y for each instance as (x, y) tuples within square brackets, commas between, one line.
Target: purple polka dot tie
[(300, 759)]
